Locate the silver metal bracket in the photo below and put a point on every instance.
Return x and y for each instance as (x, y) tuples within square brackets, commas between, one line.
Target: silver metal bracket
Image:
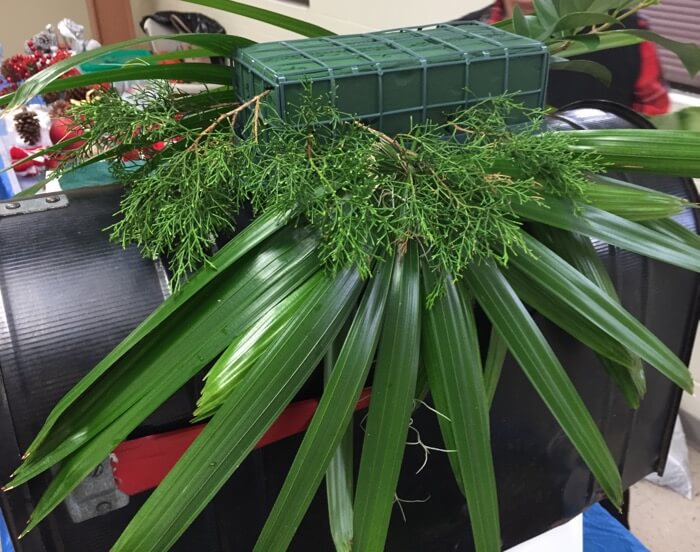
[(32, 205), (96, 496)]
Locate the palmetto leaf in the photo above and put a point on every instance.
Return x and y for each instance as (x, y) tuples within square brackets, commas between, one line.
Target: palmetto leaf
[(261, 229), (595, 223), (452, 359), (240, 357), (493, 365), (579, 252), (670, 152), (331, 419), (561, 280), (243, 418), (534, 355), (182, 345), (631, 201), (340, 478), (393, 391)]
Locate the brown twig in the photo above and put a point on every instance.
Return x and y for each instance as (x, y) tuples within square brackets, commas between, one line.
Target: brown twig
[(233, 113)]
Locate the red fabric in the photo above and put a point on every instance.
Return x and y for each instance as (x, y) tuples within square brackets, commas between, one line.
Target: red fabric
[(140, 464), (497, 13), (650, 91)]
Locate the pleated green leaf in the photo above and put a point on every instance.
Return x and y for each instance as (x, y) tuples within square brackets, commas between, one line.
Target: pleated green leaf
[(535, 356), (569, 320), (235, 362), (631, 201), (493, 365), (453, 362), (617, 231), (569, 286), (162, 379), (579, 252), (243, 419), (675, 231), (331, 419), (393, 391), (340, 477), (273, 18), (669, 152), (183, 345), (259, 230), (221, 44)]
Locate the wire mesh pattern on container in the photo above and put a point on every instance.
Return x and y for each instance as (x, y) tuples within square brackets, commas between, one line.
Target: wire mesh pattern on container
[(394, 78)]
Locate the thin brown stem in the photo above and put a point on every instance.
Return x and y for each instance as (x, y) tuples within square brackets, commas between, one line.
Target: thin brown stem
[(233, 113)]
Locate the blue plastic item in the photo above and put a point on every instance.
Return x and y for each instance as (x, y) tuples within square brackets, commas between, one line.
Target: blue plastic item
[(5, 541), (603, 533)]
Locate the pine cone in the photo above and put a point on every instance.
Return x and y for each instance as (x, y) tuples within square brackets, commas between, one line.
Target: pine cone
[(77, 94), (59, 108), (28, 127), (51, 97)]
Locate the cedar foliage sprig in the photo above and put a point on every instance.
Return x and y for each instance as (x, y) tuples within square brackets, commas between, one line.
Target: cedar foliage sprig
[(449, 186)]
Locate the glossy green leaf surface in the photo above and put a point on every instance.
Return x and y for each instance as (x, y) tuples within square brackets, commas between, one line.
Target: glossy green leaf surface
[(631, 201), (535, 356), (493, 365), (243, 418), (669, 152), (579, 252), (453, 362), (240, 357), (569, 286), (226, 308), (299, 26), (340, 478), (331, 419), (393, 391), (261, 229), (595, 223), (221, 44)]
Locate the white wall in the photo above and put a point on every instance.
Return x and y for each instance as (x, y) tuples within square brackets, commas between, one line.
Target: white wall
[(337, 16), (20, 20)]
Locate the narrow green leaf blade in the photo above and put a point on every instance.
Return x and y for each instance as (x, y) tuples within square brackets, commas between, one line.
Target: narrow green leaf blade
[(536, 358), (675, 231), (273, 18), (669, 152), (331, 419), (243, 419), (631, 201), (579, 252), (222, 44), (340, 478), (393, 391), (493, 366), (453, 362), (163, 376), (184, 345), (569, 286), (259, 230), (617, 231)]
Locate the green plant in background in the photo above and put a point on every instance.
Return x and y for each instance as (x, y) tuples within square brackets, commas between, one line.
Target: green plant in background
[(371, 253)]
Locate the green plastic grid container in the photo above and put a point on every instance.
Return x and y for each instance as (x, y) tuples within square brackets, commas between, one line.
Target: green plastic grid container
[(393, 79)]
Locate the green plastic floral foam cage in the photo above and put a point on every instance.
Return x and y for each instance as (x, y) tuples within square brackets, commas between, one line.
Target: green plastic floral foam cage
[(393, 79)]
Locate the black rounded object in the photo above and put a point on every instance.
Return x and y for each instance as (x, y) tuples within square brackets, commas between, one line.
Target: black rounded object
[(68, 296)]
